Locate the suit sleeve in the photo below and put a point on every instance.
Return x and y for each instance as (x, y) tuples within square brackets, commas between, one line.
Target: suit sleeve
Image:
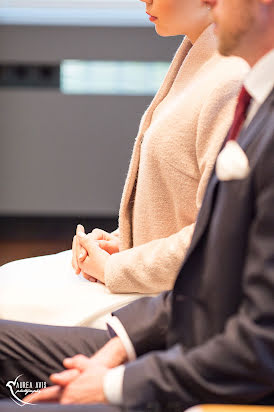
[(237, 365), (154, 266), (146, 322)]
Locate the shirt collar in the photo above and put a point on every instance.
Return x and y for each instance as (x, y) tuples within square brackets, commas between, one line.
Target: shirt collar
[(260, 81)]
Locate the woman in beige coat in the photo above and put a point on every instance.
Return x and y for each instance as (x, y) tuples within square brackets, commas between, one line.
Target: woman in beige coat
[(174, 153)]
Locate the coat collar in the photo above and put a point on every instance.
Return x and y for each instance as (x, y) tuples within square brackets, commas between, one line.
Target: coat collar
[(188, 59)]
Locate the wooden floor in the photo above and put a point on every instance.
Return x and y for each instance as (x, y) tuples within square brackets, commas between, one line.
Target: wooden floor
[(13, 250), (24, 237)]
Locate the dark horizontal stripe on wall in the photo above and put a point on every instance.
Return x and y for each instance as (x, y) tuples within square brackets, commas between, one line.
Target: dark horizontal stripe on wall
[(48, 228), (21, 75)]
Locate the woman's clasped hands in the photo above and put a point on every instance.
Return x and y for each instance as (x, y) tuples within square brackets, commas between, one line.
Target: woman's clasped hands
[(90, 252)]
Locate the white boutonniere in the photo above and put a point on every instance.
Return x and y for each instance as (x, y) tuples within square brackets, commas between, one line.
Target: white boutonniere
[(232, 162)]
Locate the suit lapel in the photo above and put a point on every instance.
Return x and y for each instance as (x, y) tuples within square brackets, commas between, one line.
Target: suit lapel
[(244, 140), (205, 211)]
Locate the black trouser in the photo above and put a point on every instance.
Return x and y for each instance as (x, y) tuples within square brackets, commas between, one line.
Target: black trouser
[(37, 351), (9, 406)]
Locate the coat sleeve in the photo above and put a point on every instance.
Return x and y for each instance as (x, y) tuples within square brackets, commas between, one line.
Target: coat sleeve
[(237, 365), (153, 266)]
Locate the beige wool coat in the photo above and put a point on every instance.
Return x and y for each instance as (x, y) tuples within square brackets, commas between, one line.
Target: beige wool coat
[(174, 153)]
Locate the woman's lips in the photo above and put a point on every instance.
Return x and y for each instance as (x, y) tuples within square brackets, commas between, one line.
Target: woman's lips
[(151, 18)]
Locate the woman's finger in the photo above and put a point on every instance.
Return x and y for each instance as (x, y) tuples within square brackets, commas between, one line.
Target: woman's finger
[(83, 254), (74, 255), (78, 248), (88, 277), (99, 234), (110, 246), (80, 228)]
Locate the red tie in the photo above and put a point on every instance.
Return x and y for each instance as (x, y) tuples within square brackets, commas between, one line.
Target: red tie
[(240, 114)]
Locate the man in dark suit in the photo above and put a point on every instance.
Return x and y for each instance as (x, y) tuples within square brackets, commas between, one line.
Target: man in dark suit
[(212, 338)]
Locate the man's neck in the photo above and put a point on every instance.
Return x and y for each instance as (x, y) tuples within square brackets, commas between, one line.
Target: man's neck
[(254, 56), (260, 42)]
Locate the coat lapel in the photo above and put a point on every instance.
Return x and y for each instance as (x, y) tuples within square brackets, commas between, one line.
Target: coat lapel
[(125, 217), (205, 211)]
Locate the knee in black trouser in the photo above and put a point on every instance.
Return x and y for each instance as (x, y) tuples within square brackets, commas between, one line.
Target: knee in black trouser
[(19, 379)]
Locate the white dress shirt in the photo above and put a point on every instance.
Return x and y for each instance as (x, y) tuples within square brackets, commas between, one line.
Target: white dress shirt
[(259, 84), (113, 382)]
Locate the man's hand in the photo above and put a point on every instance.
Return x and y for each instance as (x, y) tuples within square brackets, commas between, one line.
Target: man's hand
[(112, 354), (82, 371), (83, 386)]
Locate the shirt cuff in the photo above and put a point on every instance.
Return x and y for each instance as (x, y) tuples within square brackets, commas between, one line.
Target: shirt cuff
[(113, 385), (116, 328)]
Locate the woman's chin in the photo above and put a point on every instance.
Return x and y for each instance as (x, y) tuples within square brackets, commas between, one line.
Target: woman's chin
[(162, 32)]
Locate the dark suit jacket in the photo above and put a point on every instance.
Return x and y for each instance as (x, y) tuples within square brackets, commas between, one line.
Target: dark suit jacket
[(211, 340)]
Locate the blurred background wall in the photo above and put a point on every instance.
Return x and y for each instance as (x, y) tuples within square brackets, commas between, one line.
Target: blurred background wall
[(74, 82)]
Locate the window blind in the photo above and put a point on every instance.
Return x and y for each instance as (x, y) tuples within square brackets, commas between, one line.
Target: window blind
[(74, 12)]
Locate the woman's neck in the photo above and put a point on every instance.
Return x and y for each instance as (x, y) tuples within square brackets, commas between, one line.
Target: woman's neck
[(193, 35)]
